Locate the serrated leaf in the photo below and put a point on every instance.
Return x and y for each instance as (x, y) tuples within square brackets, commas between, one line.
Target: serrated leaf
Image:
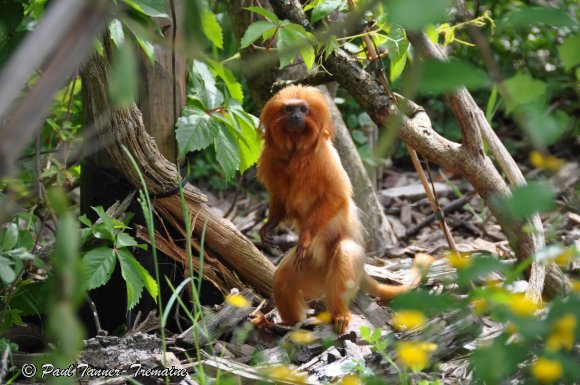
[(99, 264), (250, 142), (148, 281), (407, 14), (264, 12), (398, 59), (10, 238), (227, 153), (438, 76), (116, 32), (132, 278), (205, 87), (153, 8), (286, 44), (194, 132), (570, 52), (323, 9), (255, 31), (104, 218), (211, 28), (125, 240), (522, 89)]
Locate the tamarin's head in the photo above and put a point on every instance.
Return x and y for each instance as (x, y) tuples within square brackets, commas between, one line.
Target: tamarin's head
[(296, 117)]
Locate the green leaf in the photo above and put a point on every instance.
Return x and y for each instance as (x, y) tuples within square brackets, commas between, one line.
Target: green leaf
[(132, 277), (416, 14), (324, 8), (194, 132), (254, 31), (264, 12), (427, 303), (522, 89), (211, 28), (543, 128), (123, 81), (10, 237), (104, 218), (249, 140), (99, 264), (205, 86), (330, 46), (227, 153), (148, 281), (438, 76), (125, 240), (398, 55), (494, 363), (307, 54), (232, 84), (570, 52), (153, 8), (148, 48), (524, 17), (7, 275), (116, 32), (287, 43)]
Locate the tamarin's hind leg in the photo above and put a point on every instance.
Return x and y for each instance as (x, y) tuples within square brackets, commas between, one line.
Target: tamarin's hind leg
[(287, 294), (342, 282)]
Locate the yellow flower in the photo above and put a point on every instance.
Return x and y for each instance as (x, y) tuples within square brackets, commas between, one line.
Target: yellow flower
[(302, 337), (408, 319), (287, 374), (510, 328), (351, 379), (545, 162), (237, 300), (562, 334), (546, 371), (414, 355), (575, 283), (522, 306), (459, 260), (480, 305), (324, 317), (564, 258)]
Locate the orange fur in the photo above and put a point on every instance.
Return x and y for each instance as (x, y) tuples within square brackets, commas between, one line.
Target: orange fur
[(310, 190)]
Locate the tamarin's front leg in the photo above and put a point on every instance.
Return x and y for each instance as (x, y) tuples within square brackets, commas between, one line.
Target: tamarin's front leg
[(275, 215), (323, 212)]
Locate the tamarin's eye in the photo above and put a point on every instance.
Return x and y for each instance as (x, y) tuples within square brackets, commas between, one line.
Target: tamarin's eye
[(288, 109), (303, 109)]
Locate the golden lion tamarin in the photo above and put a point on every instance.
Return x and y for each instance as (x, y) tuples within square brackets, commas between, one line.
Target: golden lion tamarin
[(310, 190)]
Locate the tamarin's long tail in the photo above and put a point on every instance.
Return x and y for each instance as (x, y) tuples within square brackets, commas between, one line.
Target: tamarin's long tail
[(388, 292)]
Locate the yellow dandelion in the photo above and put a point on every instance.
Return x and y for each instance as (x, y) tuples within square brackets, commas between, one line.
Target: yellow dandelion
[(324, 317), (480, 305), (287, 374), (237, 300), (459, 260), (565, 257), (545, 162), (408, 319), (575, 283), (562, 334), (510, 329), (522, 306), (414, 355), (546, 371), (351, 379), (302, 337)]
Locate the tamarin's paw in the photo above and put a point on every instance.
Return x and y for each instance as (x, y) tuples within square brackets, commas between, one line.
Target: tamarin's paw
[(260, 321), (341, 322), (423, 260)]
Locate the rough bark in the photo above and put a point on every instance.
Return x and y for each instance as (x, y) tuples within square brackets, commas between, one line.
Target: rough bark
[(378, 232), (123, 127)]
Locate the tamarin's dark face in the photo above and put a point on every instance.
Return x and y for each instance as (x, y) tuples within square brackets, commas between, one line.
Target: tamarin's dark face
[(295, 111)]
